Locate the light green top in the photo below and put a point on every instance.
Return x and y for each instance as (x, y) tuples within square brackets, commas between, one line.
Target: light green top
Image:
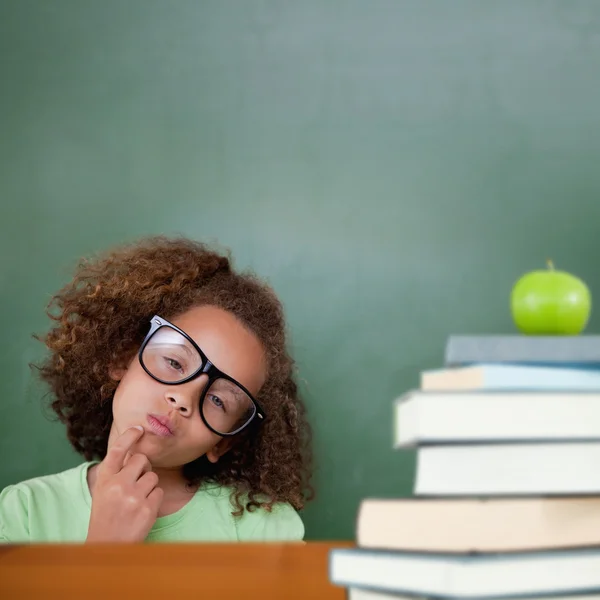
[(56, 508)]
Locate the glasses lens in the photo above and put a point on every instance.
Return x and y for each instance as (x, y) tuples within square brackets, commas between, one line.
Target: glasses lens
[(226, 407), (169, 356)]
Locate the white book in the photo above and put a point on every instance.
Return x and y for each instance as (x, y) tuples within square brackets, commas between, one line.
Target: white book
[(362, 594), (478, 524), (458, 417), (468, 576), (508, 469)]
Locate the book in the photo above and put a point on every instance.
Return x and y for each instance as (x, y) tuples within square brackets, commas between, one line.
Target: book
[(508, 470), (362, 594), (478, 525), (510, 377), (484, 576), (576, 350), (465, 417)]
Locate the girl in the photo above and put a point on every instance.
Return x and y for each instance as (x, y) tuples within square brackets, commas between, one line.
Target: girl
[(171, 373)]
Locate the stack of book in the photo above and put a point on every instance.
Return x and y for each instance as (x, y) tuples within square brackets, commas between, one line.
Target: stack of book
[(507, 492)]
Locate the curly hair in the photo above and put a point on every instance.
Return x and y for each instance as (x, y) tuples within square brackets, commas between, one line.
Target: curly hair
[(101, 317)]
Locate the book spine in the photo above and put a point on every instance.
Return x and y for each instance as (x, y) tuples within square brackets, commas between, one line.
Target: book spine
[(580, 351)]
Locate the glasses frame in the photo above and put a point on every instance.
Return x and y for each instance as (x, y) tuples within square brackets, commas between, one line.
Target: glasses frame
[(206, 368)]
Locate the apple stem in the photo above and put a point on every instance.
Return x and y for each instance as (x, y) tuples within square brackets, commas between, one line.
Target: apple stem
[(550, 264)]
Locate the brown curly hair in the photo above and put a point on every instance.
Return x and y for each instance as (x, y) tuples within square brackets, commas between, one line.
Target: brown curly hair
[(102, 316)]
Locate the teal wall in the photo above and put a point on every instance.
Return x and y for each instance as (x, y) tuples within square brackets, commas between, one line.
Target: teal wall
[(390, 166)]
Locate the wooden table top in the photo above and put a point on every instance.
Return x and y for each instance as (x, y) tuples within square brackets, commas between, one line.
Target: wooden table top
[(213, 571)]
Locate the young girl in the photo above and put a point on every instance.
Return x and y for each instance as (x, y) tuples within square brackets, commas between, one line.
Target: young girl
[(171, 373)]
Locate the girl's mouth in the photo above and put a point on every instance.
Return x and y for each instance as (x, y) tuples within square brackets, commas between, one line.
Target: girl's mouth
[(160, 425)]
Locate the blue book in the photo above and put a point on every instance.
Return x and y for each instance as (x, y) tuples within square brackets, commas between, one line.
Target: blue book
[(510, 377), (582, 351)]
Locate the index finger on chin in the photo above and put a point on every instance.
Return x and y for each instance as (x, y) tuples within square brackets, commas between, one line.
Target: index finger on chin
[(117, 453)]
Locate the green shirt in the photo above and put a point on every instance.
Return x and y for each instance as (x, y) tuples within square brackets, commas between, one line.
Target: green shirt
[(56, 508)]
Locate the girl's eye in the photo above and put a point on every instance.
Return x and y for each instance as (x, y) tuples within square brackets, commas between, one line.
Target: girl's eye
[(216, 401), (175, 364)]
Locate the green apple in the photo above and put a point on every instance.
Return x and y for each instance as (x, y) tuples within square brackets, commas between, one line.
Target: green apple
[(550, 302)]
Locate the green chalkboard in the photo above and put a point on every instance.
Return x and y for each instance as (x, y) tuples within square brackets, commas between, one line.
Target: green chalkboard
[(390, 166)]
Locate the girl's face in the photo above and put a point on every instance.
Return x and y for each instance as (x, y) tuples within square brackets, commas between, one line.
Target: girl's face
[(141, 400)]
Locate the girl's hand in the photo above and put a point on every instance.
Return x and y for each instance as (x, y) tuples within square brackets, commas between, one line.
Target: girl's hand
[(125, 499)]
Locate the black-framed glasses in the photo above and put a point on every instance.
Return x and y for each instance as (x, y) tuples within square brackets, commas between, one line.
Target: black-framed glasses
[(170, 356)]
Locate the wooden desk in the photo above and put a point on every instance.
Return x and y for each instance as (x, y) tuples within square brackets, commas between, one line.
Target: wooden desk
[(167, 571)]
